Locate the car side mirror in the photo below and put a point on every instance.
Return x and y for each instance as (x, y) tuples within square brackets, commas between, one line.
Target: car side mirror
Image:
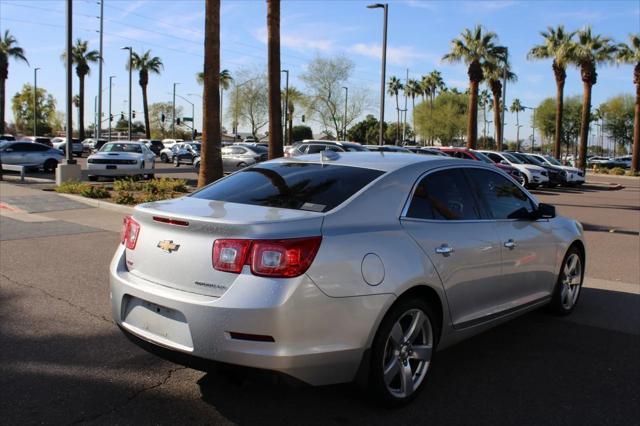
[(505, 162), (8, 150), (546, 211)]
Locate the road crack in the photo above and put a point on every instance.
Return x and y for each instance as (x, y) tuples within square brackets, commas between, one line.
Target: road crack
[(132, 397), (53, 296)]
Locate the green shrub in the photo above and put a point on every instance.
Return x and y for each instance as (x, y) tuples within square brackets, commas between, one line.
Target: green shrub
[(127, 184), (631, 173), (165, 185), (124, 197), (619, 171), (150, 197), (94, 191), (72, 187)]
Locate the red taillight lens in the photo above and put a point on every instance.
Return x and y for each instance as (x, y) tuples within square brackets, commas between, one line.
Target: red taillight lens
[(269, 258), (130, 231), (230, 255)]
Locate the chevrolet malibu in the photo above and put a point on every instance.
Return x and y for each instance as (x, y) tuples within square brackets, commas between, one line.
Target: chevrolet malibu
[(340, 267)]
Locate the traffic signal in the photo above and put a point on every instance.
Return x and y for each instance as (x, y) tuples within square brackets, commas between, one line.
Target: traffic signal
[(122, 116), (111, 117), (162, 117), (303, 118), (133, 114), (178, 121)]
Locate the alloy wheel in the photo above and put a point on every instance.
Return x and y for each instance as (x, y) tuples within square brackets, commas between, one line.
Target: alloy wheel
[(407, 353), (570, 282)]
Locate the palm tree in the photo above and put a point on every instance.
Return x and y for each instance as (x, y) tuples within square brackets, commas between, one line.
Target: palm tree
[(294, 97), (394, 86), (412, 89), (436, 84), (589, 50), (484, 100), (9, 49), (211, 158), (274, 75), (425, 86), (225, 83), (557, 45), (82, 57), (517, 107), (474, 48), (630, 54), (494, 73), (145, 64)]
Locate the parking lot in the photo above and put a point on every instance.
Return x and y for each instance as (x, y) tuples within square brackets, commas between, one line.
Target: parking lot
[(64, 361)]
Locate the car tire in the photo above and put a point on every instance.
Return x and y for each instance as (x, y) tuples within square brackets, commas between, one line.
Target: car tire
[(50, 165), (176, 162), (394, 351), (242, 165), (567, 290), (164, 158), (93, 178)]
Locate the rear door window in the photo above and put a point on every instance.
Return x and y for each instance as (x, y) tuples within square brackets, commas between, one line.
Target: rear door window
[(443, 195), (299, 186)]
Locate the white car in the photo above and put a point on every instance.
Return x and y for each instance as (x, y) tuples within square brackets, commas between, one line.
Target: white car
[(166, 153), (575, 176), (168, 143), (624, 162), (534, 176), (121, 155), (61, 144)]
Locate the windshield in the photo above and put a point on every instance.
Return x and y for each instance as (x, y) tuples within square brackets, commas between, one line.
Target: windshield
[(511, 158), (353, 147), (195, 146), (483, 157), (552, 160), (298, 186), (259, 149), (121, 147), (527, 160)]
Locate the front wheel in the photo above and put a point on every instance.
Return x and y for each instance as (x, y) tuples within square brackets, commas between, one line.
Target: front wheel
[(567, 290), (176, 162), (402, 351), (50, 165), (164, 158)]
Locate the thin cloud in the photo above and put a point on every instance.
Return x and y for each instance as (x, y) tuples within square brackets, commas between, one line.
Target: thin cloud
[(422, 4), (399, 55), (487, 6), (296, 42)]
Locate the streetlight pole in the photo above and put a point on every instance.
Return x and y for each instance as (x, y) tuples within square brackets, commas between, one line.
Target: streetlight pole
[(111, 77), (384, 6), (173, 113), (286, 106), (504, 94), (69, 88), (99, 130), (192, 112), (130, 49), (404, 124), (344, 123), (200, 96), (35, 101), (95, 117)]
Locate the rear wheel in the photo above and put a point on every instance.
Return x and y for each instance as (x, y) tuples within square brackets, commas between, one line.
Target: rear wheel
[(50, 165), (402, 351), (164, 158), (176, 161), (567, 290)]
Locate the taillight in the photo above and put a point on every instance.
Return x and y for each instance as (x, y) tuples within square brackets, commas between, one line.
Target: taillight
[(130, 231), (270, 258)]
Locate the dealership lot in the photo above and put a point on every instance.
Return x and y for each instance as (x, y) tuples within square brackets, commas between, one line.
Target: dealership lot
[(64, 361)]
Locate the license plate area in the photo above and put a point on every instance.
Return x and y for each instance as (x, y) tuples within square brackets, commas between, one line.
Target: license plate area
[(111, 167), (159, 324)]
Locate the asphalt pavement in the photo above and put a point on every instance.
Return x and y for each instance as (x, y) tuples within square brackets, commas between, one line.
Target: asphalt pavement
[(63, 361)]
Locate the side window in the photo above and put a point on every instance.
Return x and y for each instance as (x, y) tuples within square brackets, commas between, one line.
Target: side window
[(501, 197), (24, 147), (444, 195), (239, 150), (494, 157), (314, 149), (226, 151)]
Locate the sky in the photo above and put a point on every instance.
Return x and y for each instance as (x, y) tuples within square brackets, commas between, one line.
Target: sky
[(419, 34)]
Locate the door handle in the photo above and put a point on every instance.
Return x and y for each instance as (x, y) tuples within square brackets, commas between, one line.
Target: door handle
[(445, 250), (510, 244)]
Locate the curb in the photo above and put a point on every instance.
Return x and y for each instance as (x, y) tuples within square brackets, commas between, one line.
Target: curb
[(100, 204)]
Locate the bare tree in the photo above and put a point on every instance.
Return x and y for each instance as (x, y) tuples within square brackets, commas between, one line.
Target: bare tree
[(250, 102)]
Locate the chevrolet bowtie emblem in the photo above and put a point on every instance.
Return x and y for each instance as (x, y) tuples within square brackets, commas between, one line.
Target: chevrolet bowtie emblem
[(168, 246)]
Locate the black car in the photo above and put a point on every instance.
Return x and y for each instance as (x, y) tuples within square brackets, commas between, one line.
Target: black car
[(315, 146), (155, 146), (185, 153), (557, 176)]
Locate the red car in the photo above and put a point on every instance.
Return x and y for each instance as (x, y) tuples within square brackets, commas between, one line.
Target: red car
[(470, 154)]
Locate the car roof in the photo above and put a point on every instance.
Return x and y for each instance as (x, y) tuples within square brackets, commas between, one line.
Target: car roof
[(384, 161)]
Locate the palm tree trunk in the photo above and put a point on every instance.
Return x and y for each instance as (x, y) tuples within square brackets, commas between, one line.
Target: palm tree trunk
[(397, 121), (211, 160), (517, 131), (274, 73), (584, 125), (559, 113), (145, 105), (484, 121), (635, 151), (472, 119), (81, 110), (413, 117), (221, 108), (2, 93)]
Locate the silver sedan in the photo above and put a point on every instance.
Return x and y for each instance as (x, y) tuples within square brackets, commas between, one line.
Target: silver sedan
[(334, 267)]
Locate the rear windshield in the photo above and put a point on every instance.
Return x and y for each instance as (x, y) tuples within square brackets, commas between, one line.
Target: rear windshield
[(354, 147), (298, 186)]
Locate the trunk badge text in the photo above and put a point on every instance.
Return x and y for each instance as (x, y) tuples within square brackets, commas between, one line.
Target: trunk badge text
[(168, 246)]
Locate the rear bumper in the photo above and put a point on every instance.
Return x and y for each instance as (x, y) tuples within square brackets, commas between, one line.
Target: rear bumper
[(316, 339)]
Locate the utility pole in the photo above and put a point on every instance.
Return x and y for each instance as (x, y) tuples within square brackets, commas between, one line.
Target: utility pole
[(69, 64), (286, 107), (99, 130), (35, 101), (111, 77), (95, 117), (384, 6), (346, 103), (504, 95), (173, 113), (404, 124), (130, 49)]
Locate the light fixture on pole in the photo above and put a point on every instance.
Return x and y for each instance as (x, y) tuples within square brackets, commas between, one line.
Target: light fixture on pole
[(111, 77), (35, 101), (384, 6), (344, 122), (286, 106), (173, 114), (130, 49), (99, 120)]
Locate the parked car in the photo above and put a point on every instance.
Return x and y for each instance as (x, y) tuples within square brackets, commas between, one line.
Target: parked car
[(168, 143), (533, 176), (624, 162), (575, 176), (557, 176), (281, 266), (470, 154), (7, 137), (387, 148), (166, 153), (29, 154), (185, 153), (236, 157), (600, 161), (308, 146), (121, 155), (91, 144), (423, 150), (38, 139), (61, 143), (155, 145)]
